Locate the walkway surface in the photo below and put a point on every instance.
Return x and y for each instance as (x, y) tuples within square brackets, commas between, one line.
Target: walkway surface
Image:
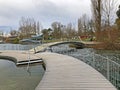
[(63, 72), (43, 47), (18, 55), (46, 45), (67, 73)]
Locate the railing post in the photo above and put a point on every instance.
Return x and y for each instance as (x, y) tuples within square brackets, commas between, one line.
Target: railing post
[(34, 50), (93, 62), (108, 69), (28, 60)]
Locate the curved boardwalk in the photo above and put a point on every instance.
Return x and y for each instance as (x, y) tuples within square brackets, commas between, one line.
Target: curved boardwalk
[(45, 46), (17, 55), (67, 73)]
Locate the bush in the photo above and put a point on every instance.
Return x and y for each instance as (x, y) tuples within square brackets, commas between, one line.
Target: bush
[(16, 41), (110, 39)]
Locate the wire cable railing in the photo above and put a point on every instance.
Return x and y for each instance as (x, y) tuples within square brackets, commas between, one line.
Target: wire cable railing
[(105, 65), (18, 47)]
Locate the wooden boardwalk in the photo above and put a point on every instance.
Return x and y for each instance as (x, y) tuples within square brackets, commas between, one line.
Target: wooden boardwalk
[(67, 73), (45, 46), (64, 72), (17, 55)]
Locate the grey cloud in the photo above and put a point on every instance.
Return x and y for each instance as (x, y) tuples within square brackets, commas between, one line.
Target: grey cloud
[(44, 10), (49, 9)]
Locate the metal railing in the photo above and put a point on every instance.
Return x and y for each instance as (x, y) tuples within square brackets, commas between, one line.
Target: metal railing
[(109, 68), (16, 47), (106, 66)]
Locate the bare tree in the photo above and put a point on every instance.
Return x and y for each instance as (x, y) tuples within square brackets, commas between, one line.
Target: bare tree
[(28, 27), (80, 27), (97, 14), (84, 25), (118, 18), (13, 32), (70, 31), (38, 28), (109, 9), (57, 31)]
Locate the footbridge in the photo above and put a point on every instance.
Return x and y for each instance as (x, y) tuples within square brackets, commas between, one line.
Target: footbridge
[(67, 73), (43, 47), (63, 72)]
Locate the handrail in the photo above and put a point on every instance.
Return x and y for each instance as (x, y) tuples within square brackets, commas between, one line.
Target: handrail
[(109, 68), (112, 68)]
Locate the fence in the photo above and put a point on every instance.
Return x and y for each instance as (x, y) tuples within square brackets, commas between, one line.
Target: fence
[(106, 66), (109, 68), (16, 47)]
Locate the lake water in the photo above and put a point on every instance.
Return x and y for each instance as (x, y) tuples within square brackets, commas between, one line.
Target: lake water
[(19, 78), (17, 46)]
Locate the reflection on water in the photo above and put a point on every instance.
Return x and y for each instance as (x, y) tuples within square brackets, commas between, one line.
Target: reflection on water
[(18, 78)]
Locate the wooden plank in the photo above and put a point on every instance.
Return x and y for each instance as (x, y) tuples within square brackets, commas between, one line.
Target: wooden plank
[(19, 55), (29, 62), (67, 73)]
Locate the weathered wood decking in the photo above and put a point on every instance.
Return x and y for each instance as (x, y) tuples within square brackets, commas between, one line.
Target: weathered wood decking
[(45, 46), (17, 55), (67, 73)]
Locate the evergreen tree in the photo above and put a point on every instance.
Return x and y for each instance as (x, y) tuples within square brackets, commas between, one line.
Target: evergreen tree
[(118, 12), (118, 19)]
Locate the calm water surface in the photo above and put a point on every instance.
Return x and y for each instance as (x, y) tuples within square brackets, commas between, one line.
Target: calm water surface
[(18, 78), (17, 46)]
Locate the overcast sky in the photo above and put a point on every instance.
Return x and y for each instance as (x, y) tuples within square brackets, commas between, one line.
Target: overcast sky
[(44, 11)]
